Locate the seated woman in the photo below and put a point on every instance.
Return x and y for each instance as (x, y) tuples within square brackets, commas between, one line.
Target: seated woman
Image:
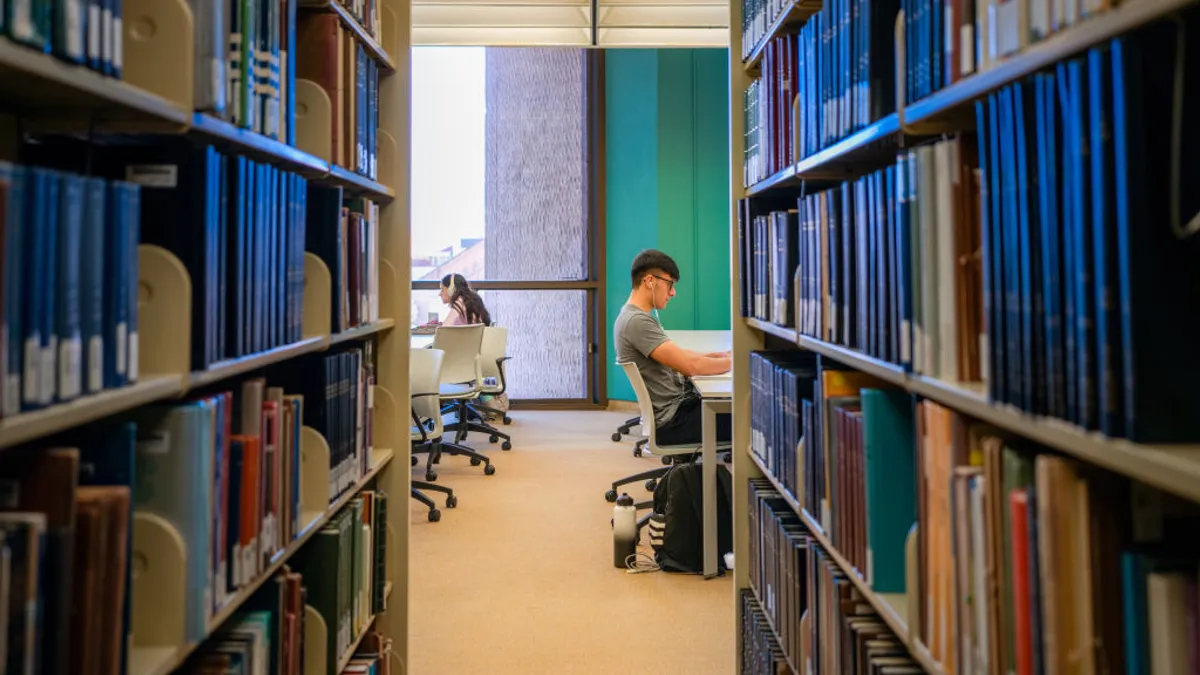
[(466, 307)]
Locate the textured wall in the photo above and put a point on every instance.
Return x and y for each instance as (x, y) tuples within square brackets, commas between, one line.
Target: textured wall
[(535, 205), (667, 182)]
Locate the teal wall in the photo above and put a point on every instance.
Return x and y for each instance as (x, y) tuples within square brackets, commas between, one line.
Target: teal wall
[(667, 182)]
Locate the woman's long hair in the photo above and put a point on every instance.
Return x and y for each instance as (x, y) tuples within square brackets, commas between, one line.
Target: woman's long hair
[(472, 304)]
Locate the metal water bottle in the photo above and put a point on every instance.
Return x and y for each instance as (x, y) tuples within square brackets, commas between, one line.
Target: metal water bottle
[(624, 530)]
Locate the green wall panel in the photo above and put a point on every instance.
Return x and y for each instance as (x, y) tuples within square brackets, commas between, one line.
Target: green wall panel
[(667, 182)]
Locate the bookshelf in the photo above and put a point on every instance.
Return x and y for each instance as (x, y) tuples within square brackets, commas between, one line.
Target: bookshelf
[(941, 284), (246, 340)]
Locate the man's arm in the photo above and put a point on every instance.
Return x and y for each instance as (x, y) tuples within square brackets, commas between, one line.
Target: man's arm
[(688, 362)]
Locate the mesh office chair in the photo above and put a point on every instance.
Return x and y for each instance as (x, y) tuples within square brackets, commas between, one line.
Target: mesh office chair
[(669, 453), (424, 368), (460, 383)]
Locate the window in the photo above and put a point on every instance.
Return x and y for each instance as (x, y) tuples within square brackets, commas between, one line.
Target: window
[(501, 194)]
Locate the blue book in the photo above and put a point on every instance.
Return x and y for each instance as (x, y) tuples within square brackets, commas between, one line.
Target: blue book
[(133, 220), (116, 288), (1070, 137), (91, 284), (1081, 249), (1104, 250), (67, 287), (1051, 257), (12, 180)]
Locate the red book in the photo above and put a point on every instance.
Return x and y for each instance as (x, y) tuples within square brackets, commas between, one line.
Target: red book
[(1018, 505)]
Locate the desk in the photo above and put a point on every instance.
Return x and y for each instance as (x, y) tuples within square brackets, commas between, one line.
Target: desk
[(716, 396), (703, 341), (420, 341)]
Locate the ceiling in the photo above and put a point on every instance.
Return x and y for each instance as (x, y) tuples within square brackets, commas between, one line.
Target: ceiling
[(569, 23)]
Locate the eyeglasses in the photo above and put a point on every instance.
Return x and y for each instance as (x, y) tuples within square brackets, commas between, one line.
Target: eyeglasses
[(670, 282)]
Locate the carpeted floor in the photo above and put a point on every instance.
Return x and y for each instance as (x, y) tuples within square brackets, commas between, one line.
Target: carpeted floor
[(519, 578)]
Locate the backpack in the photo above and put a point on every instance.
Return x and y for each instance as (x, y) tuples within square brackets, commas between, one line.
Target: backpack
[(677, 522)]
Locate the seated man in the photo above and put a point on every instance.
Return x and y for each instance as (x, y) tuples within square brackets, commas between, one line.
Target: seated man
[(665, 366)]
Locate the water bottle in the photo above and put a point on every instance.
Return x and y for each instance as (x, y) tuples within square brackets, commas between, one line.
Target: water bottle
[(624, 530)]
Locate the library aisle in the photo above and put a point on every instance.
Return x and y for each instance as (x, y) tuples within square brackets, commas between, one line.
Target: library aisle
[(519, 577)]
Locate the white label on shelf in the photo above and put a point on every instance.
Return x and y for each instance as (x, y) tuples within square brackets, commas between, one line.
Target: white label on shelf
[(70, 368), (10, 494), (905, 341), (95, 376), (93, 32), (870, 572), (49, 369), (118, 42), (31, 362), (122, 356), (220, 581), (153, 175), (133, 356), (75, 35), (156, 442)]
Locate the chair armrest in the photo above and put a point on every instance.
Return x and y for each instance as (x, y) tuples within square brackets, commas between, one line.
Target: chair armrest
[(424, 393)]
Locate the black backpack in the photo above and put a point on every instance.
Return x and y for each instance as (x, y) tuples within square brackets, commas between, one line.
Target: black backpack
[(677, 523)]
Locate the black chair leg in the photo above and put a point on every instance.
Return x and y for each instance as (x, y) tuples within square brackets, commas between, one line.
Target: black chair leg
[(451, 500), (653, 474), (464, 451), (434, 514)]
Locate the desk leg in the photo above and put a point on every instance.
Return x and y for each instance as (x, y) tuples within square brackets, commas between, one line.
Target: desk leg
[(708, 457)]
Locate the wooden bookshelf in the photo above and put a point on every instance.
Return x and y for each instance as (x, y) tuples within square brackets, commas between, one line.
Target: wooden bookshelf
[(39, 81), (153, 98), (1091, 381), (892, 607), (361, 332), (161, 661), (1174, 468), (31, 425)]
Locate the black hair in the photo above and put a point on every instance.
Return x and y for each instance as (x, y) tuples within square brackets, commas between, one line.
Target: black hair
[(472, 304), (649, 260)]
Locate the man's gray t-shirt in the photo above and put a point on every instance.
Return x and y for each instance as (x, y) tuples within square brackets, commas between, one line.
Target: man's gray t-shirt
[(636, 334)]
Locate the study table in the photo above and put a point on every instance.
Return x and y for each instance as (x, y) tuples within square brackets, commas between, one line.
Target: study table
[(716, 396)]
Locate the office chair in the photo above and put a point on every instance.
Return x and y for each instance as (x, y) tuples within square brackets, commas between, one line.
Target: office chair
[(670, 453), (422, 371), (626, 430), (492, 355), (462, 379), (426, 368)]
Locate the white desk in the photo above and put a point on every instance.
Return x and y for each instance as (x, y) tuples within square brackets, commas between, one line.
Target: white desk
[(703, 341), (716, 396), (420, 341)]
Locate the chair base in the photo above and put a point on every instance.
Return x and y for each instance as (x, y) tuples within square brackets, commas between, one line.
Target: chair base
[(463, 451), (624, 429), (463, 425), (434, 514)]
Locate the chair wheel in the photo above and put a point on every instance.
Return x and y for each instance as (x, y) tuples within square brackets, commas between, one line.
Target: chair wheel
[(506, 445), (430, 476), (610, 496), (616, 437), (507, 420), (414, 459), (651, 484), (451, 502), (637, 451), (474, 462), (493, 438), (434, 515), (489, 470)]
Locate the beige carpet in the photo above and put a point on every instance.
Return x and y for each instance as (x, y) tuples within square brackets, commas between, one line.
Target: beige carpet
[(519, 578)]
